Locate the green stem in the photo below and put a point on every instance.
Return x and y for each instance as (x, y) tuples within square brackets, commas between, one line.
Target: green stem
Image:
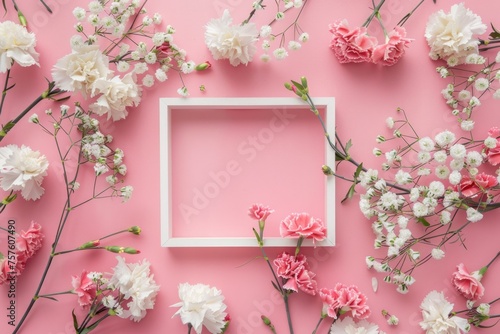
[(407, 16), (35, 297), (493, 260), (49, 93), (317, 325), (5, 89), (56, 294), (376, 9), (252, 13), (288, 315), (189, 328)]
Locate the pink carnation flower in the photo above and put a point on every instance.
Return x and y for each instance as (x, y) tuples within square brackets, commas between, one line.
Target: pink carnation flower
[(295, 270), (5, 271), (259, 212), (468, 284), (30, 241), (389, 53), (27, 244), (342, 299), (303, 225), (84, 287), (351, 46), (473, 187)]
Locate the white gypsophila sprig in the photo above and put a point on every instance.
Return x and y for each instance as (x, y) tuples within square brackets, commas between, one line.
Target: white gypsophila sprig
[(409, 209), (114, 36)]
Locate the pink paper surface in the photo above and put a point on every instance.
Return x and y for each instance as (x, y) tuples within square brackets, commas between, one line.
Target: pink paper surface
[(365, 96)]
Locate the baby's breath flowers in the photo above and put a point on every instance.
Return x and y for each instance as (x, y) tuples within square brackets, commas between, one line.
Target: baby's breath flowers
[(86, 145), (425, 193), (115, 36), (238, 42)]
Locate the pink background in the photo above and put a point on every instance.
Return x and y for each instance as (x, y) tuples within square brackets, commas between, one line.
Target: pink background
[(365, 96)]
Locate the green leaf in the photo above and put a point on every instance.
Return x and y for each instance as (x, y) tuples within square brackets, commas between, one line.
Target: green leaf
[(357, 172), (48, 297), (338, 157), (495, 33), (298, 85), (90, 328), (423, 221), (75, 321), (350, 193), (275, 286), (348, 145)]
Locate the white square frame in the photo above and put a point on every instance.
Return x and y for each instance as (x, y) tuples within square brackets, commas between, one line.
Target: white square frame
[(169, 104)]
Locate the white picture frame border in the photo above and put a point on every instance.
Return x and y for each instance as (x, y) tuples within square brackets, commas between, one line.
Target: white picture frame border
[(168, 104)]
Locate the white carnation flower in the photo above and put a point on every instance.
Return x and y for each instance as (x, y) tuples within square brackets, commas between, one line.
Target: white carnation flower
[(201, 306), (436, 311), (16, 45), (348, 326), (233, 42), (453, 34), (115, 95), (80, 69), (137, 285), (22, 169)]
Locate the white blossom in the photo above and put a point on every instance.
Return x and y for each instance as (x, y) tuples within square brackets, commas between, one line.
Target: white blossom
[(201, 306), (22, 169), (233, 42)]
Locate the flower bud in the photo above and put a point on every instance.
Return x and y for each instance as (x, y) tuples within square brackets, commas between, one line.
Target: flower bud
[(327, 170), (265, 320), (119, 250), (203, 66), (90, 244), (135, 230), (288, 85), (22, 18), (9, 199)]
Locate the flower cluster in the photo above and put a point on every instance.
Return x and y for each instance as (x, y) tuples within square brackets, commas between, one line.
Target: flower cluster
[(128, 293), (91, 67), (454, 37), (438, 313), (202, 306), (435, 180), (238, 43), (27, 243), (291, 273), (355, 45)]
